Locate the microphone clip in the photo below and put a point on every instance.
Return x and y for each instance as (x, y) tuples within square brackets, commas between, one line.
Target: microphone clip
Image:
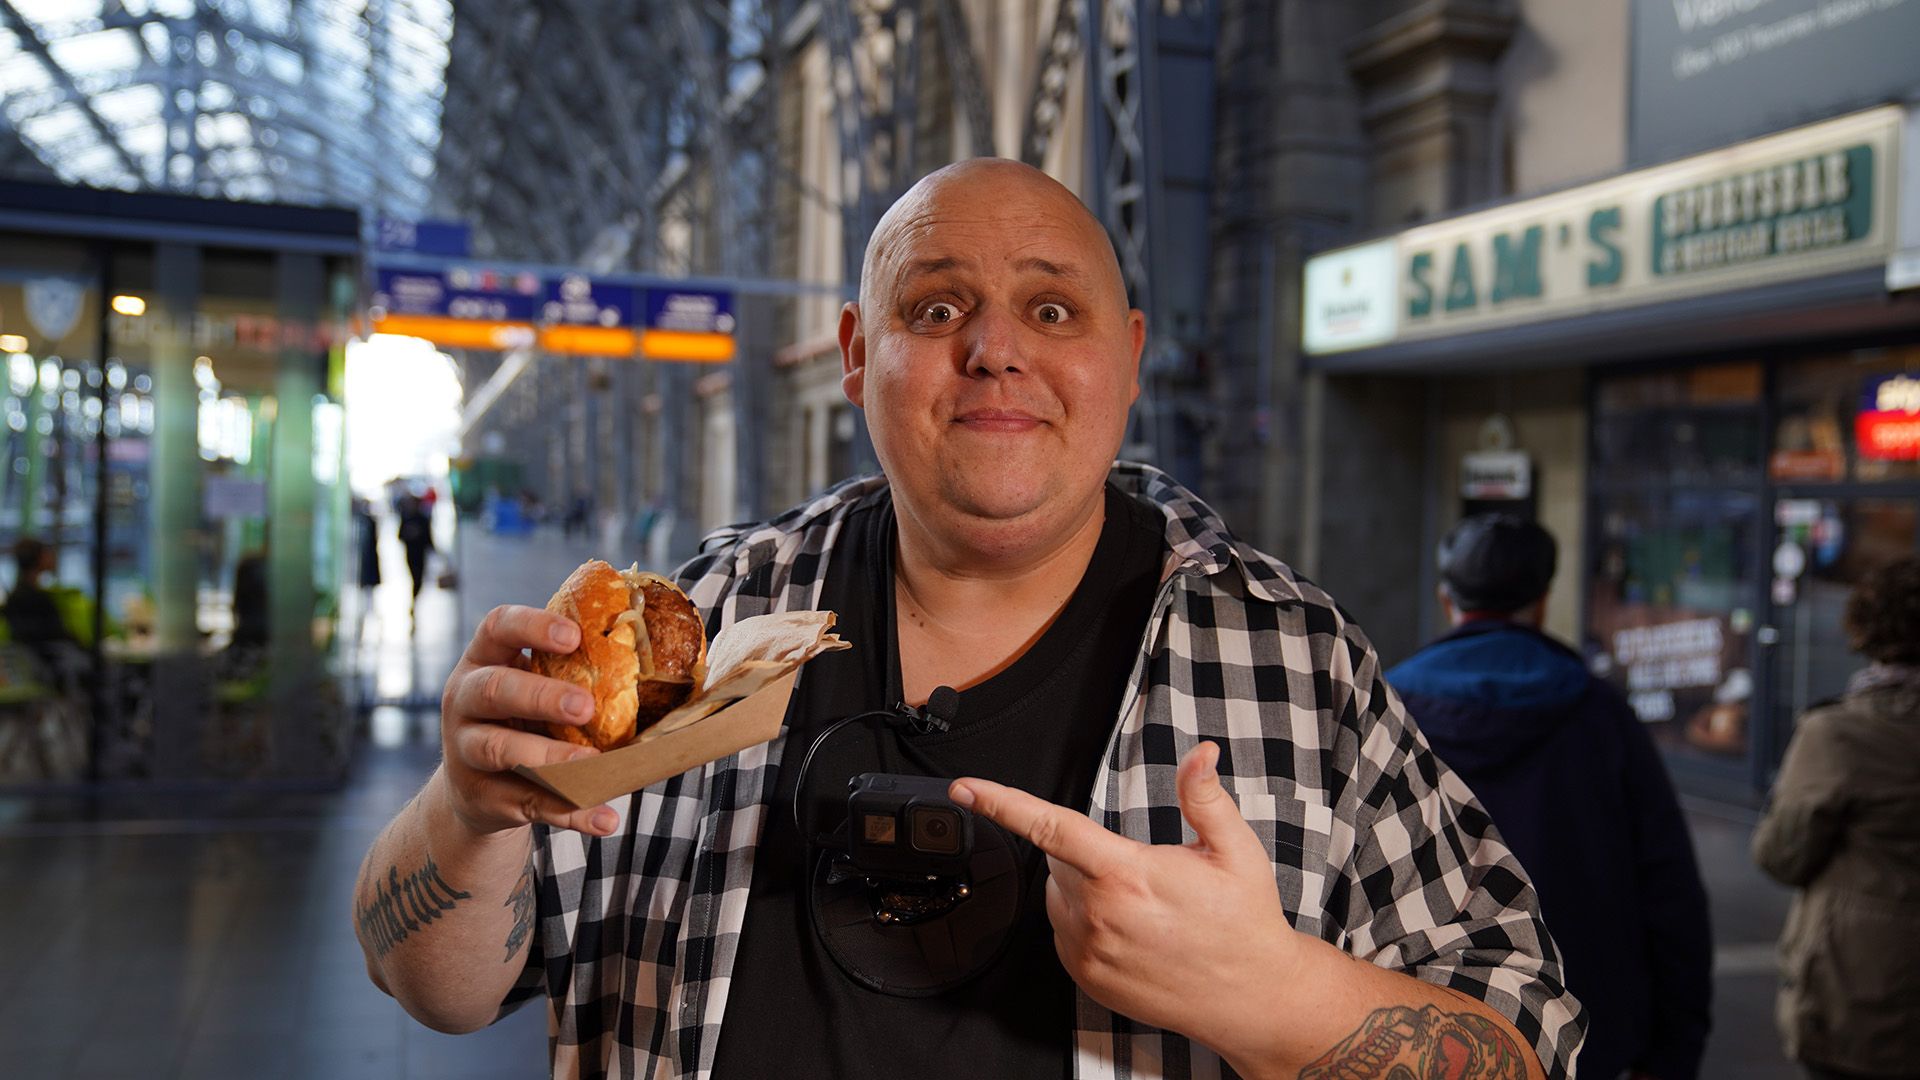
[(935, 717)]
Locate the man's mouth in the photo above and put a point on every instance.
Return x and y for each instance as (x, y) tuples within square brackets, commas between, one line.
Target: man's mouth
[(998, 420)]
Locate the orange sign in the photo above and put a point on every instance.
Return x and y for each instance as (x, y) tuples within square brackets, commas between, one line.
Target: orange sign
[(697, 347), (457, 333), (615, 341)]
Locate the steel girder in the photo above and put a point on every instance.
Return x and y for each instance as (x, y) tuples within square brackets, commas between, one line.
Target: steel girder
[(1048, 99), (322, 103), (1148, 63)]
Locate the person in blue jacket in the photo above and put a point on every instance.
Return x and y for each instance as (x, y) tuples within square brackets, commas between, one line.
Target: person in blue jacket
[(1573, 782)]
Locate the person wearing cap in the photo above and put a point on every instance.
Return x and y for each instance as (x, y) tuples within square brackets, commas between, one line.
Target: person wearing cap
[(1575, 786)]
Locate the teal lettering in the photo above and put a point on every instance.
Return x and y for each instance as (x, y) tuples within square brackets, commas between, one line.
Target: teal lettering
[(1516, 269), (1605, 267), (1419, 271), (1460, 292)]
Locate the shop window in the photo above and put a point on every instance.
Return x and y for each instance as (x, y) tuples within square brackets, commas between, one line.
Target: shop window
[(1851, 416), (1696, 426), (1667, 616), (1824, 547)]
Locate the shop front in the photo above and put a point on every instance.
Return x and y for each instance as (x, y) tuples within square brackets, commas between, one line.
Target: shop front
[(1737, 334), (173, 425)]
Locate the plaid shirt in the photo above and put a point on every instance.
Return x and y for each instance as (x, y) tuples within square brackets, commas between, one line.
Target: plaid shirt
[(1377, 847)]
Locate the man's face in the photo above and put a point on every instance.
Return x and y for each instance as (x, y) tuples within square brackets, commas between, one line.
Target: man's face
[(994, 353)]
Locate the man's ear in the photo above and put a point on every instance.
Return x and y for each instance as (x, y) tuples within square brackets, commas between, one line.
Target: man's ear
[(1137, 335), (853, 356)]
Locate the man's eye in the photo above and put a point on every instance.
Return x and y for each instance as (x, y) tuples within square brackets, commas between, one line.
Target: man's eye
[(940, 313), (1051, 313)]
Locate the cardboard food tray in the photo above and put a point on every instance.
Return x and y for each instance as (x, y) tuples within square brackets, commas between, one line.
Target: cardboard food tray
[(744, 709)]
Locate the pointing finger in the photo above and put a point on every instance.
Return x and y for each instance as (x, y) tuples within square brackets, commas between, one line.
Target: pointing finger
[(1205, 804), (1062, 834)]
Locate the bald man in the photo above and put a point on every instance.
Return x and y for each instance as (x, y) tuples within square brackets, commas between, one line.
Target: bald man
[(1205, 837)]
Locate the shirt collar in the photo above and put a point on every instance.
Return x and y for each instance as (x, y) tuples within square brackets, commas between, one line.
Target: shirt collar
[(1197, 540)]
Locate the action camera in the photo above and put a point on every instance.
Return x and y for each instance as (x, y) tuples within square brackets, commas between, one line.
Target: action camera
[(905, 828)]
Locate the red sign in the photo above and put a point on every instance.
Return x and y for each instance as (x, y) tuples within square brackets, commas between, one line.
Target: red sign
[(1888, 436)]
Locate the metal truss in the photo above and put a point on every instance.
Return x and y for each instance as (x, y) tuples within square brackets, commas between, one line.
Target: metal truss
[(1150, 74), (312, 101), (1048, 100)]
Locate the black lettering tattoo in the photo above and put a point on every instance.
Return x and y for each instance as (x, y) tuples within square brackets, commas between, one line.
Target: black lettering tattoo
[(522, 902), (1400, 1043), (403, 906)]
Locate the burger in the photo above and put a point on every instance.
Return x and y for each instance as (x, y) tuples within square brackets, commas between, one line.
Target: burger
[(642, 653)]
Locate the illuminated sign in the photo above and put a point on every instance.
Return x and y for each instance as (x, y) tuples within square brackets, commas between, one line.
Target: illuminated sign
[(1803, 203), (478, 308), (584, 317), (688, 324), (1350, 298), (460, 308), (1887, 427)]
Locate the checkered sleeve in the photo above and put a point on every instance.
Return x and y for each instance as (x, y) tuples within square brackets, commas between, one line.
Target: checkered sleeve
[(1430, 889)]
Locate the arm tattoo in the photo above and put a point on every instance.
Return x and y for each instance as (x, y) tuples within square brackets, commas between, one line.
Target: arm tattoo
[(1404, 1044), (522, 902), (405, 905)]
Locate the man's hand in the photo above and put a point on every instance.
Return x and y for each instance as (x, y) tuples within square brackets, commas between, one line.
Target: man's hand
[(1182, 938), (491, 684)]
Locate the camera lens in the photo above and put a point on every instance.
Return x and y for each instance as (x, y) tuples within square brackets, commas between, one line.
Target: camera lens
[(936, 830)]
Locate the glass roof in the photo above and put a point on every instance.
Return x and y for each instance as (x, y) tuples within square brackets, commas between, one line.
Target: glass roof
[(308, 101)]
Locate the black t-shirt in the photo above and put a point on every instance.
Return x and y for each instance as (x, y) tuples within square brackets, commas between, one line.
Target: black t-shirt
[(1040, 725)]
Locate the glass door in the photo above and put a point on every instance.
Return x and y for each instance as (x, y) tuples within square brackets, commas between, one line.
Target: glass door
[(1823, 546)]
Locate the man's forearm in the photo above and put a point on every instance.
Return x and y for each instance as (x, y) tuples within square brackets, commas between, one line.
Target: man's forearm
[(1340, 1018), (444, 916)]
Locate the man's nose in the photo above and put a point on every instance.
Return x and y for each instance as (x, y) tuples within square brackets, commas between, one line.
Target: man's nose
[(993, 344)]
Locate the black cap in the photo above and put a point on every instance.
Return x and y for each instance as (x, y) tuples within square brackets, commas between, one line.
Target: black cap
[(1497, 563)]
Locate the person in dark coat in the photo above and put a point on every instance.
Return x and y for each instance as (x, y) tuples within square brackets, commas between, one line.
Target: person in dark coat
[(1843, 828), (33, 619), (367, 541), (1573, 782), (416, 535)]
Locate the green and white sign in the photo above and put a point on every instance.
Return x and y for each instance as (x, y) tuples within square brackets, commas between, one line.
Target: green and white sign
[(1803, 203)]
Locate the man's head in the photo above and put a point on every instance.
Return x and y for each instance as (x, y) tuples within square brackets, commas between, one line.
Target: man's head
[(994, 353), (1496, 566), (31, 559)]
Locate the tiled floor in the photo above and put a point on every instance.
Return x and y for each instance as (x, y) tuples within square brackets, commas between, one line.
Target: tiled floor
[(206, 937)]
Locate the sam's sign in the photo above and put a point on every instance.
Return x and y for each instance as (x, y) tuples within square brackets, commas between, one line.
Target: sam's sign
[(1799, 204)]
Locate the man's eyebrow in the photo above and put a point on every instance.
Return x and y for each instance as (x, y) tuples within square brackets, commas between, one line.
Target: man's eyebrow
[(936, 266), (1054, 269)]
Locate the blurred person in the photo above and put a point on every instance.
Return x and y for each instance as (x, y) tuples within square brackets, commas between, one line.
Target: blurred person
[(578, 516), (366, 536), (32, 614), (1577, 790), (415, 530), (1843, 828), (1339, 905), (250, 612)]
